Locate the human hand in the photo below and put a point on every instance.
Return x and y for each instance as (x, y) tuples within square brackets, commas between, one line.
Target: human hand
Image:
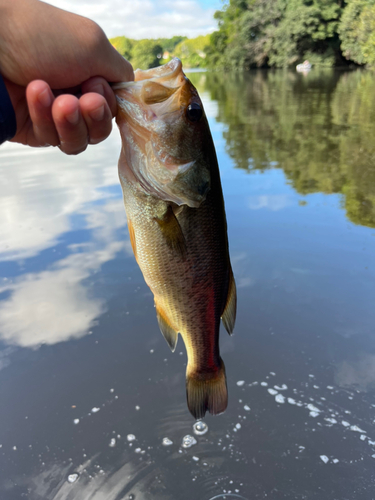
[(48, 55)]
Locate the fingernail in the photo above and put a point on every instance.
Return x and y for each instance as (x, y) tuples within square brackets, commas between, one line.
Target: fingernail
[(73, 118), (45, 98), (97, 114)]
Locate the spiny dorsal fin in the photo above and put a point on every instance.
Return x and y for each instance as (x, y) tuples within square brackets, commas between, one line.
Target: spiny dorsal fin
[(168, 332), (229, 314), (172, 232)]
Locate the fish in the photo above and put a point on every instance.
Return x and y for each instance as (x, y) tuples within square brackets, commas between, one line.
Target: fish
[(176, 218)]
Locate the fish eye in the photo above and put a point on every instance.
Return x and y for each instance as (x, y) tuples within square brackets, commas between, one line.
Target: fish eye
[(194, 112)]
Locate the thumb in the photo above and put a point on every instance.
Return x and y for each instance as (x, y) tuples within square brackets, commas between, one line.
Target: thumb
[(112, 66)]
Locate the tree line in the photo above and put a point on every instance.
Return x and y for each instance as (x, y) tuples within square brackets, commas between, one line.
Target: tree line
[(281, 33), (269, 33)]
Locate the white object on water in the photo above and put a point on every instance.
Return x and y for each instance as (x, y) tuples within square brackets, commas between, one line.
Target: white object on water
[(72, 478), (130, 437), (188, 441), (200, 428), (167, 442)]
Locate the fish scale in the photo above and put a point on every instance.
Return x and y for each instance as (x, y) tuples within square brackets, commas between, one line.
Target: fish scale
[(177, 226)]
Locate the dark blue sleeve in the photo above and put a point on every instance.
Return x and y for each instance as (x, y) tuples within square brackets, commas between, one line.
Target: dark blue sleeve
[(8, 124)]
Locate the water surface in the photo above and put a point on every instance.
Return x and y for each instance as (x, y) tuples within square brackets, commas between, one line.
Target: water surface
[(88, 387)]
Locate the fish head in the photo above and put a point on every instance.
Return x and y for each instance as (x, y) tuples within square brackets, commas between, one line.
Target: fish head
[(166, 138)]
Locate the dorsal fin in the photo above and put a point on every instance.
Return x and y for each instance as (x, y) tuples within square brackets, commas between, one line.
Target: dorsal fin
[(229, 314), (172, 232), (170, 335)]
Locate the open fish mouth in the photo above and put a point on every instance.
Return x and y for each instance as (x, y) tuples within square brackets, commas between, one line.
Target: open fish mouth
[(164, 74)]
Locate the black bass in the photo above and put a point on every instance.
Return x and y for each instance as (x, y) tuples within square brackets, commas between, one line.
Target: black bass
[(175, 210)]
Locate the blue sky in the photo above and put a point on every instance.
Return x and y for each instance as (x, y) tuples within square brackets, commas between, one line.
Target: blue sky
[(147, 18)]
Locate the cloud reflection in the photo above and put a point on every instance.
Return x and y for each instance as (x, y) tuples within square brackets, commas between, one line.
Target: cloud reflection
[(42, 192)]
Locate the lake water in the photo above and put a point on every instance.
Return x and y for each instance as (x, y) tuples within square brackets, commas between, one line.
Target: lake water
[(88, 386)]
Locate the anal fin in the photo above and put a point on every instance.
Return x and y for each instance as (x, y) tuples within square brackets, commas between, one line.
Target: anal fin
[(229, 314), (172, 231), (170, 335)]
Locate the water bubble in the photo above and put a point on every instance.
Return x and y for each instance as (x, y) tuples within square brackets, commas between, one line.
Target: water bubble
[(112, 443), (200, 428), (72, 478), (130, 437), (188, 441), (167, 442)]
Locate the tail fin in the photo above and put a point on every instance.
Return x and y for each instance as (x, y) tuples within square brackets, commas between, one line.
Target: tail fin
[(207, 392)]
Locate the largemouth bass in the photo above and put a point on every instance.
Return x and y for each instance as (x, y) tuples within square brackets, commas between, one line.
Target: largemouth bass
[(175, 210)]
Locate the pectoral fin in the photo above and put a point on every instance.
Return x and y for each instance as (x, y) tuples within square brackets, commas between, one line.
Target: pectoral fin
[(229, 315), (132, 237), (172, 232), (168, 332)]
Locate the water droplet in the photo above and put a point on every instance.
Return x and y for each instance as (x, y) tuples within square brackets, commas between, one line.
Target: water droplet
[(167, 442), (200, 428), (72, 478), (112, 443), (188, 441), (137, 407), (130, 437)]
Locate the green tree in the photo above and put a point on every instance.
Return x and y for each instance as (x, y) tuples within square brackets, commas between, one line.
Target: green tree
[(123, 45), (192, 51), (146, 54), (257, 33)]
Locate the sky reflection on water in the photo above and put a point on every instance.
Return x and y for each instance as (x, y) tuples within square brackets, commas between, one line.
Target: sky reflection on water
[(82, 362)]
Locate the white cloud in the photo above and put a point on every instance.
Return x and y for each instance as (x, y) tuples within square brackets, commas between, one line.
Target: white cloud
[(145, 18)]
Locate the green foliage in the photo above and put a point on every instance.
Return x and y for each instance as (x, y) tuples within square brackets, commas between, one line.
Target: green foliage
[(350, 32), (123, 45), (280, 33), (318, 129), (192, 52), (146, 54)]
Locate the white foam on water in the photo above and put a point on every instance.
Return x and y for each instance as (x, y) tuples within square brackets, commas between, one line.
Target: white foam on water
[(130, 437), (95, 409), (272, 392), (240, 383), (167, 442), (283, 387), (324, 458), (76, 421)]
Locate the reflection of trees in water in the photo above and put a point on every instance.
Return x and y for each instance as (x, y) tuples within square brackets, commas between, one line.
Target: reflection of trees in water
[(319, 129)]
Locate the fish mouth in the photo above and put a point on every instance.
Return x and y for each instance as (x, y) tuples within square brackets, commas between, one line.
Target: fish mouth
[(152, 88)]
